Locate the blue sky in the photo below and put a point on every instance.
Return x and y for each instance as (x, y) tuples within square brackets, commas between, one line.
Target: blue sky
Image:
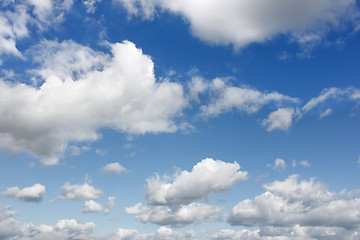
[(155, 119)]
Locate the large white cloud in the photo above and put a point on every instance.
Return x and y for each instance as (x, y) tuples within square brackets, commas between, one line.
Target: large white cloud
[(122, 94), (207, 176), (242, 22), (77, 192), (176, 216), (34, 193), (171, 200), (306, 203)]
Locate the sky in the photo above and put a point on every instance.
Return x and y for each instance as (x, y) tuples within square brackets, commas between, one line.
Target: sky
[(179, 119)]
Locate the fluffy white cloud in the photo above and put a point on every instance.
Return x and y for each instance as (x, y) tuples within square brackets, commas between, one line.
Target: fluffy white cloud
[(113, 168), (34, 193), (279, 119), (121, 94), (207, 176), (226, 97), (238, 22), (306, 203), (66, 229), (77, 192), (176, 216), (92, 207), (171, 199)]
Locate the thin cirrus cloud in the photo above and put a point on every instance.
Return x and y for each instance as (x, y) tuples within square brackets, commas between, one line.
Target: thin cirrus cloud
[(34, 193), (171, 200), (238, 22), (64, 110)]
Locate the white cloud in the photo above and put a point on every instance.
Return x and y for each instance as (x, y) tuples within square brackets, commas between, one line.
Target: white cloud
[(177, 216), (100, 152), (65, 229), (326, 113), (113, 168), (279, 164), (207, 176), (279, 119), (292, 202), (64, 110), (305, 163), (226, 97), (92, 207), (163, 233), (34, 193), (110, 204), (90, 5), (77, 192), (18, 15), (238, 22)]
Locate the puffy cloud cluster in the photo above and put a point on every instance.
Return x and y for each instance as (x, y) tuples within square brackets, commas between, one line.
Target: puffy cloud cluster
[(207, 176), (94, 207), (121, 94), (77, 192), (34, 193), (292, 203), (171, 199), (63, 230), (176, 216), (245, 22)]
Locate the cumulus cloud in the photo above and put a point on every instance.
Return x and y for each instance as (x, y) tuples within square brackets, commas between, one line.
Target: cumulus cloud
[(177, 216), (293, 202), (226, 97), (171, 199), (77, 192), (34, 193), (92, 207), (280, 119), (113, 168), (65, 229), (207, 176), (238, 22), (78, 97)]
